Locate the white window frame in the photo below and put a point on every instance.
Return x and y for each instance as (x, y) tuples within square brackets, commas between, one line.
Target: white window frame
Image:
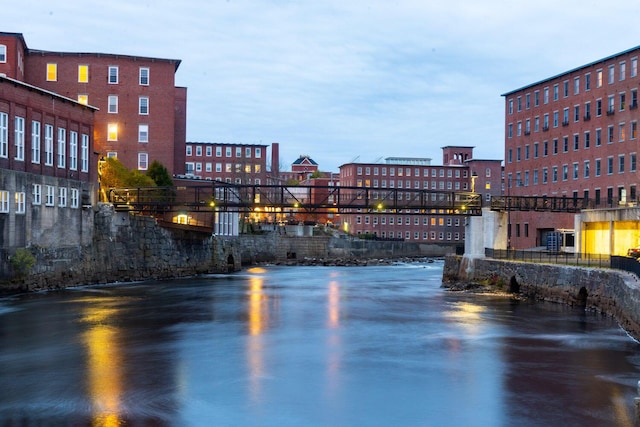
[(48, 145), (19, 138), (112, 104), (84, 153), (75, 198), (4, 201), (36, 191), (144, 76), (143, 161), (21, 202), (62, 197), (62, 148), (3, 53), (73, 150), (36, 131), (112, 75), (50, 195), (4, 135), (143, 133), (143, 105)]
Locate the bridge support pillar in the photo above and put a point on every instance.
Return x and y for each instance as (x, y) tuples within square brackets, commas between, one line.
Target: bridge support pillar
[(486, 231)]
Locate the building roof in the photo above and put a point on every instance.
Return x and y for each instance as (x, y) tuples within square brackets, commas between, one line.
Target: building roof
[(573, 70), (304, 159), (4, 79), (103, 55), (230, 144)]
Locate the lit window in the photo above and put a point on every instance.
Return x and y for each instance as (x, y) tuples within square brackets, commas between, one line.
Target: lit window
[(113, 75), (83, 99), (143, 133), (52, 72), (83, 74), (112, 132), (4, 201), (144, 76)]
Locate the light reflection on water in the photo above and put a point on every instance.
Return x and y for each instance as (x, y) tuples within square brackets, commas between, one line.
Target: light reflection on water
[(309, 346)]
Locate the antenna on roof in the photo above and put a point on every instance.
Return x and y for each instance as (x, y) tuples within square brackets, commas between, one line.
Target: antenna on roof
[(355, 158), (378, 160)]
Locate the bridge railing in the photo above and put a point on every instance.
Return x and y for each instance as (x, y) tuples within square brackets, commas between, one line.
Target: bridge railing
[(552, 257)]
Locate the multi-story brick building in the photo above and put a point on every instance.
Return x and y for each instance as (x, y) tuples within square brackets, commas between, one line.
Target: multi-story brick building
[(573, 135), (231, 163), (47, 167), (141, 114), (458, 173)]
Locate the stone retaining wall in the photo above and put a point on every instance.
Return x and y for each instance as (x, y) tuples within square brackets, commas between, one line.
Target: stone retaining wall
[(613, 292)]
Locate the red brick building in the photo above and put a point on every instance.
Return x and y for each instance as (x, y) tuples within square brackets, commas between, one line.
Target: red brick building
[(573, 135), (141, 116), (459, 173), (231, 163)]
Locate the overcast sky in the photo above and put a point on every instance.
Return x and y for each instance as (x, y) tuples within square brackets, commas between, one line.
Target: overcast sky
[(343, 80)]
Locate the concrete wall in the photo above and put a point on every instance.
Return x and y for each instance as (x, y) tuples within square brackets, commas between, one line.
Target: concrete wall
[(610, 291)]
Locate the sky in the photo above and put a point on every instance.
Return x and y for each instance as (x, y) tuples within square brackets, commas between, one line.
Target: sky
[(342, 80)]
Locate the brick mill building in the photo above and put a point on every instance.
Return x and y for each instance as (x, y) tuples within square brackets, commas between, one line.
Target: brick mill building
[(574, 136), (458, 173), (141, 114)]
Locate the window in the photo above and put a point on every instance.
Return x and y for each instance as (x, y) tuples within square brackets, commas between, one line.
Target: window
[(144, 76), (598, 167), (634, 130), (565, 88), (587, 82), (62, 196), (576, 142), (36, 191), (48, 145), (576, 113), (84, 153), (113, 75), (634, 67), (75, 198), (611, 103), (623, 70), (35, 142), (555, 92), (632, 162), (258, 152), (610, 134), (52, 72), (143, 161), (546, 95), (586, 169), (73, 150), (599, 78), (576, 85), (238, 151), (83, 74), (143, 106), (621, 163), (587, 139), (4, 135), (598, 107), (143, 133), (4, 201), (611, 74), (19, 138), (227, 152), (610, 165), (565, 172), (575, 171), (3, 53), (51, 191), (621, 132), (598, 137), (199, 150), (189, 150), (112, 132), (622, 101), (218, 151), (62, 147), (112, 101), (83, 99), (209, 151), (247, 152)]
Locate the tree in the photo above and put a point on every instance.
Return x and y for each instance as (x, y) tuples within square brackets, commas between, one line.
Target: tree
[(159, 174), (113, 174)]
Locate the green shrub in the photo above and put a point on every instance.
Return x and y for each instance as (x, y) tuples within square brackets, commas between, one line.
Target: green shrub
[(22, 262)]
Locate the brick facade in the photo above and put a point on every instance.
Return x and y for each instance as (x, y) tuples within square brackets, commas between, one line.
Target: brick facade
[(574, 135)]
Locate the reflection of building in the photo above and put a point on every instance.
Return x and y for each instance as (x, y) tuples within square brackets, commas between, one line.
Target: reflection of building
[(141, 116), (455, 175), (231, 163), (573, 135)]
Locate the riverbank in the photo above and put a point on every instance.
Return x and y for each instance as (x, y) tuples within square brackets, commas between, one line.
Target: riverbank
[(612, 292)]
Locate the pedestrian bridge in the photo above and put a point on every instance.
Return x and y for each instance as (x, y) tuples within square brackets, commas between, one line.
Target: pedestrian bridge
[(219, 196)]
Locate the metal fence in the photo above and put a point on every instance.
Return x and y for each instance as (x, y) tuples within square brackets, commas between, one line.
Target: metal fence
[(565, 258), (624, 263)]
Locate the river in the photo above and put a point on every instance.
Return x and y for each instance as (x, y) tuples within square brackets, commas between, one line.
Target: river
[(309, 346)]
